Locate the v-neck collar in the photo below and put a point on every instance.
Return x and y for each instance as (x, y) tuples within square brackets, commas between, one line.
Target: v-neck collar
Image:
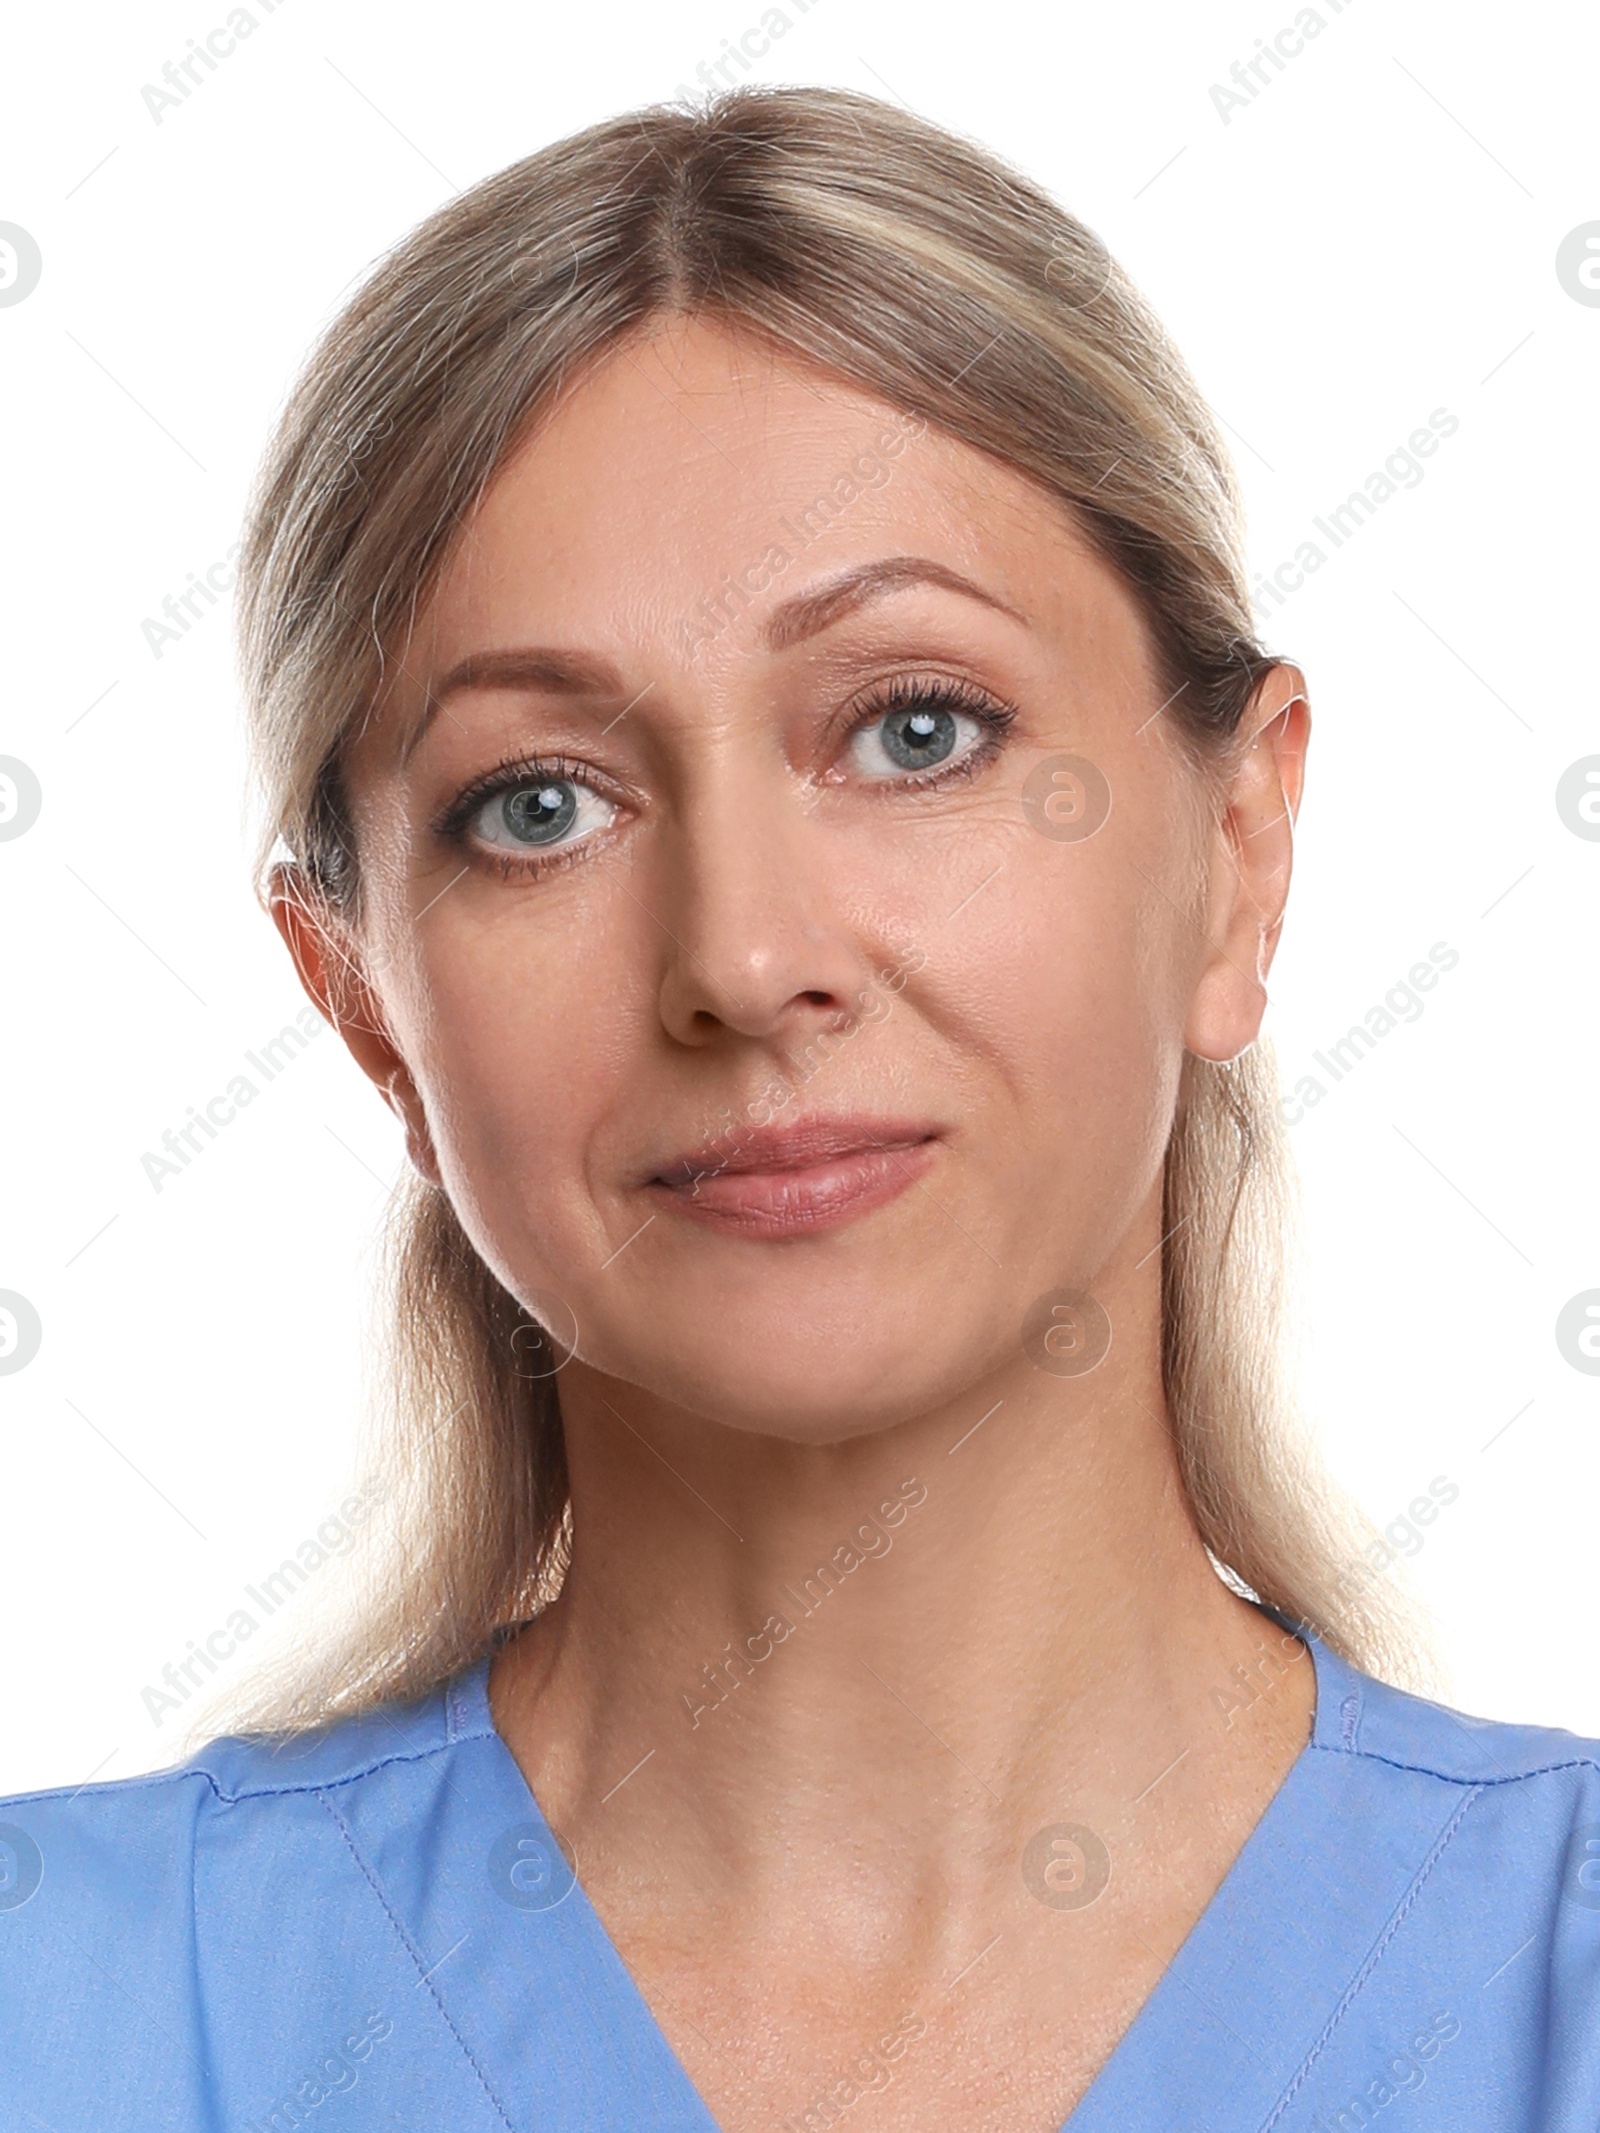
[(561, 2036)]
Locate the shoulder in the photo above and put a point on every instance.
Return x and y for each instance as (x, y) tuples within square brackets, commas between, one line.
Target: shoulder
[(107, 1842), (155, 1914), (1372, 1718), (1431, 1898), (1530, 1793)]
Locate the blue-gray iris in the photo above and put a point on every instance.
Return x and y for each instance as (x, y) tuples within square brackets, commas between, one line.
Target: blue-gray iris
[(539, 813), (908, 736)]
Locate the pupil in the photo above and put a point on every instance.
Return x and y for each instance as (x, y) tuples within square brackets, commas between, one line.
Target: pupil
[(920, 735), (537, 814)]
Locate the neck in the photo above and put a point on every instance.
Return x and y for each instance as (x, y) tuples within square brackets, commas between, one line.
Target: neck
[(910, 1650)]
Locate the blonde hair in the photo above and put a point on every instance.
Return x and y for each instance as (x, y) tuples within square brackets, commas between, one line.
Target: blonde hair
[(920, 267)]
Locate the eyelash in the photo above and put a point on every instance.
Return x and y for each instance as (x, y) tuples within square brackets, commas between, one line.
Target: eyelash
[(938, 693), (506, 777), (941, 693)]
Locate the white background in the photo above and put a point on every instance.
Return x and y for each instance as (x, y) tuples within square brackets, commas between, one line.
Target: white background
[(1371, 238)]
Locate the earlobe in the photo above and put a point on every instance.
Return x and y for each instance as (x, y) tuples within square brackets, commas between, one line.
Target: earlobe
[(400, 1094), (1225, 1014)]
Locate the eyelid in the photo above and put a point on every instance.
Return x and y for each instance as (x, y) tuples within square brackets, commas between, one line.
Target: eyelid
[(890, 692), (896, 691), (523, 769)]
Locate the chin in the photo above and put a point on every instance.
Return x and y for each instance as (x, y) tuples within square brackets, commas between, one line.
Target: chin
[(789, 1382)]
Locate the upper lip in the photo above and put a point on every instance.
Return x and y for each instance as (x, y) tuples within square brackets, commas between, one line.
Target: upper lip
[(792, 1145)]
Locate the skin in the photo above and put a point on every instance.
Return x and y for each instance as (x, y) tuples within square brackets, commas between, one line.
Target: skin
[(1040, 1636)]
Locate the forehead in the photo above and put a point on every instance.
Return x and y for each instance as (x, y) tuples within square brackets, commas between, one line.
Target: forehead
[(694, 471), (694, 455)]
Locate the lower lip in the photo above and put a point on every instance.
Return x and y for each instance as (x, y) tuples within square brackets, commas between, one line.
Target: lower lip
[(790, 1203)]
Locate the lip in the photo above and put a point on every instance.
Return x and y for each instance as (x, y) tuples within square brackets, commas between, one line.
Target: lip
[(800, 1176)]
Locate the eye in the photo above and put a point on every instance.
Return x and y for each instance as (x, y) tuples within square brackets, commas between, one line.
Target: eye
[(539, 811), (914, 728)]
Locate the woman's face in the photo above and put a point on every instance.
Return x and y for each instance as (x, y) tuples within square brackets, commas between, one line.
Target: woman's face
[(721, 797)]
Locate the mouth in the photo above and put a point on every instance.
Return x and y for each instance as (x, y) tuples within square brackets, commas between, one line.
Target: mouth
[(785, 1180)]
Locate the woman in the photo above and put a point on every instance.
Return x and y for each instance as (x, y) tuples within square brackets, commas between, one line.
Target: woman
[(748, 646)]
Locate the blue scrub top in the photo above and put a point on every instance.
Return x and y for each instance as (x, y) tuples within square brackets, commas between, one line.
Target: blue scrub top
[(373, 1928)]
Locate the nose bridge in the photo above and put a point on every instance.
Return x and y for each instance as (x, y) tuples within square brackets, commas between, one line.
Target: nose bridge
[(749, 893)]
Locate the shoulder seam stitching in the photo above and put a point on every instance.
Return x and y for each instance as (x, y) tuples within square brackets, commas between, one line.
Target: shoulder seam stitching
[(380, 1762), (348, 1777), (426, 1976), (1453, 1777), (1373, 1957)]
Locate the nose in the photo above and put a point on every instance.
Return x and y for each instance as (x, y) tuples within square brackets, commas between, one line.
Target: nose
[(754, 898)]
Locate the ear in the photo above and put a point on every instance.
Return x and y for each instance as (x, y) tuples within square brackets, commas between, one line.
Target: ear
[(1251, 859), (333, 969)]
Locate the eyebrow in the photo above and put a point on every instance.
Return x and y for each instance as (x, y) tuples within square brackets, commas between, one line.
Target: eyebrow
[(802, 615), (532, 667)]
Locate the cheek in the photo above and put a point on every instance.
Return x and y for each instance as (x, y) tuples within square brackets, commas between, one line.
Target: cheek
[(517, 1050), (1070, 985)]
